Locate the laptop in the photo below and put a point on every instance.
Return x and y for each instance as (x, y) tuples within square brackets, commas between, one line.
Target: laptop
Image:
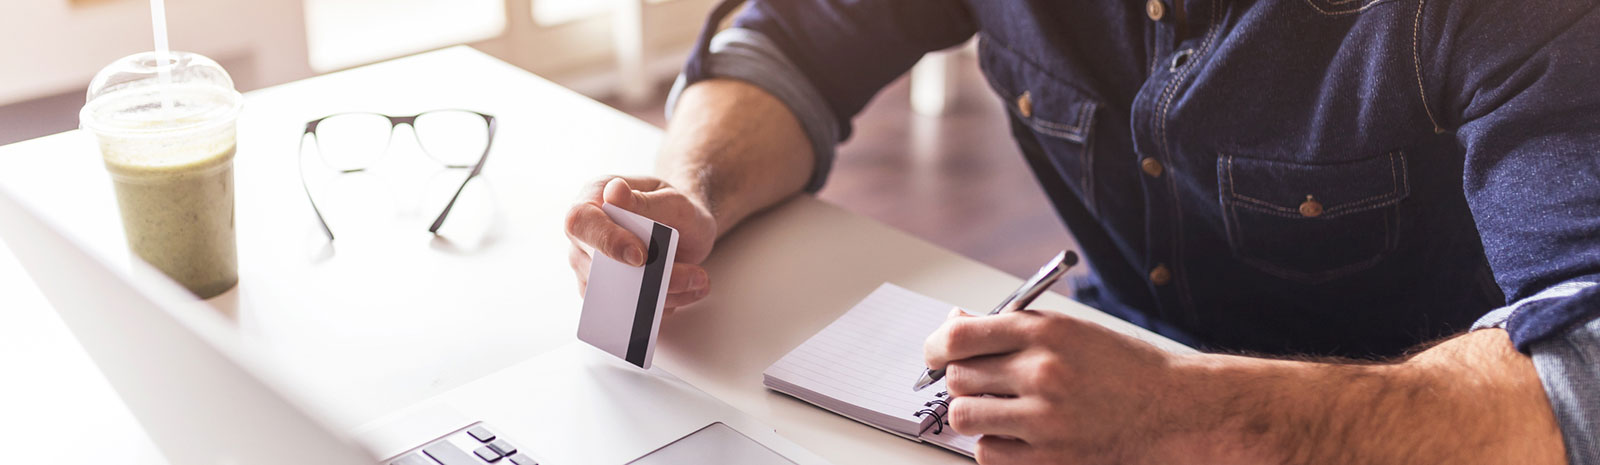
[(205, 398)]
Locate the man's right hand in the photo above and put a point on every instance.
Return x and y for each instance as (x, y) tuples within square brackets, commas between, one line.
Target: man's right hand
[(591, 231), (758, 153)]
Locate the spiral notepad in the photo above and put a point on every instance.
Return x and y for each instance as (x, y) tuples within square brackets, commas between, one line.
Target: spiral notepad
[(863, 364)]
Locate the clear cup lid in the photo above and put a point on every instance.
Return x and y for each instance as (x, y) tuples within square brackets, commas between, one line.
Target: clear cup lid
[(132, 96)]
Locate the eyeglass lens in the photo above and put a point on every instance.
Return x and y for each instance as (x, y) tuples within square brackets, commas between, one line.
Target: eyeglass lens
[(354, 141), (452, 137)]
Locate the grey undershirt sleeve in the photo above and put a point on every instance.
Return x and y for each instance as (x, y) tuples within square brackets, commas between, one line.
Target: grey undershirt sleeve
[(749, 56), (1569, 369)]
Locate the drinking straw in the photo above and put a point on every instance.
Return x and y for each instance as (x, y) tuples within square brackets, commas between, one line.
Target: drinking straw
[(158, 24)]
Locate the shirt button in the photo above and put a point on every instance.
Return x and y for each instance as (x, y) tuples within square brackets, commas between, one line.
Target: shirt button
[(1160, 276), (1311, 208), (1155, 9), (1025, 105), (1151, 167)]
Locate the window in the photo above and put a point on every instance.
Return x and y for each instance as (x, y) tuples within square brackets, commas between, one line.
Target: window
[(346, 33), (552, 12)]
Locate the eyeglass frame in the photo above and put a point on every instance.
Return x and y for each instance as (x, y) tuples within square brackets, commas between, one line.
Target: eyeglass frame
[(394, 122)]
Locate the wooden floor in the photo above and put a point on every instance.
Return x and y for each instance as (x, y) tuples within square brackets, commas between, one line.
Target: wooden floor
[(956, 180)]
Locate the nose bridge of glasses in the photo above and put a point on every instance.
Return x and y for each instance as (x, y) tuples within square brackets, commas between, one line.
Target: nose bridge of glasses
[(408, 120)]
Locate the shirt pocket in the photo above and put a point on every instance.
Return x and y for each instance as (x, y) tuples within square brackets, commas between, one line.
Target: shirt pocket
[(1054, 119), (1312, 223)]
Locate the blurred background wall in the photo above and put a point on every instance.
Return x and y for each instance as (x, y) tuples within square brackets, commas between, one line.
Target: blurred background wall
[(931, 155), (600, 47)]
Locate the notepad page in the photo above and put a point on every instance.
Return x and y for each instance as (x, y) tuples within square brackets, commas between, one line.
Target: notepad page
[(948, 438), (864, 364)]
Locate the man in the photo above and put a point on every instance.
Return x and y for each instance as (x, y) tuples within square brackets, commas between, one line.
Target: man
[(1407, 183)]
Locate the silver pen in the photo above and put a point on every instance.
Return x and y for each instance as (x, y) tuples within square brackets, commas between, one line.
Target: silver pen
[(1018, 300)]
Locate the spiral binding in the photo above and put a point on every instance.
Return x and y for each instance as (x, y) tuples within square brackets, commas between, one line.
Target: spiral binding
[(940, 417)]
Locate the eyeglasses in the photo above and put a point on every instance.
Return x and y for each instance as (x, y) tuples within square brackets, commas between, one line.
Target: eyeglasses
[(352, 142)]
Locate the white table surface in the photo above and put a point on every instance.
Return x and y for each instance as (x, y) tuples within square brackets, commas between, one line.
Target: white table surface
[(390, 315)]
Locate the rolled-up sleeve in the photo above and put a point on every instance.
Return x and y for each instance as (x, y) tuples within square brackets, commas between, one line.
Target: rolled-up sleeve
[(825, 59), (749, 56), (1521, 87), (1517, 88), (1567, 369), (1567, 366)]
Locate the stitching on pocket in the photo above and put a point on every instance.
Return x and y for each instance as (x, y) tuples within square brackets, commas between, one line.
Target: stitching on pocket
[(1075, 133), (989, 41), (1271, 211), (1235, 202), (1394, 180), (1066, 127), (1266, 204), (1076, 136), (1398, 185), (1362, 8)]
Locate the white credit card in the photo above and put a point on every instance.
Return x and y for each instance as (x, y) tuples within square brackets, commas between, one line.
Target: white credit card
[(623, 304)]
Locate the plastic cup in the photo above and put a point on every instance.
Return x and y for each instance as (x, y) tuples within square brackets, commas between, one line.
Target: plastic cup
[(167, 140)]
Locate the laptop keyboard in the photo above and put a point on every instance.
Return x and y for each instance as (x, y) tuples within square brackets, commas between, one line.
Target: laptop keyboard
[(476, 445)]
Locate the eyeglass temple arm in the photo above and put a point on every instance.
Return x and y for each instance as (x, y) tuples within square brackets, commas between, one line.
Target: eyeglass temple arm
[(310, 129), (478, 168)]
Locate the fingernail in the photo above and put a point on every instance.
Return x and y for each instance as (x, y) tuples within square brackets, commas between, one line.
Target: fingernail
[(697, 281), (634, 257)]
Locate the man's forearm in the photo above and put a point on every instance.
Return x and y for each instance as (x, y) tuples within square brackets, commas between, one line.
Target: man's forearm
[(1472, 399), (736, 148)]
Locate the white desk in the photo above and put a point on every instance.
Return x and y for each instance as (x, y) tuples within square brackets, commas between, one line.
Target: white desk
[(391, 315)]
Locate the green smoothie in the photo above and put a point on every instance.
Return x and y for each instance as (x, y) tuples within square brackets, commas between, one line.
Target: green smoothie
[(177, 211), (169, 148)]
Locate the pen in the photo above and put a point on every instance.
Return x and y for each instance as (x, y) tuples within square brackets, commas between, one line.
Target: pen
[(1019, 299)]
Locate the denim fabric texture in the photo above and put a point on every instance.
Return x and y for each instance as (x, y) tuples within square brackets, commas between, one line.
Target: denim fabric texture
[(1336, 177)]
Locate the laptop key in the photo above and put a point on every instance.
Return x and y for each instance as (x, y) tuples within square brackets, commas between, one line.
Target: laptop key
[(414, 459), (522, 459), (503, 447), (480, 433), (487, 454), (449, 455)]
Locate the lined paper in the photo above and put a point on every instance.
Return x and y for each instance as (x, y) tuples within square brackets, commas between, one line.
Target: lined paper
[(952, 440), (862, 365)]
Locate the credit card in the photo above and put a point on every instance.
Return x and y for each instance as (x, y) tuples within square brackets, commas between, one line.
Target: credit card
[(623, 304)]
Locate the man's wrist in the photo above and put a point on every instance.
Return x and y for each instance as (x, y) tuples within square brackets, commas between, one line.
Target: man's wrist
[(1472, 399), (1211, 419), (698, 184), (1247, 410)]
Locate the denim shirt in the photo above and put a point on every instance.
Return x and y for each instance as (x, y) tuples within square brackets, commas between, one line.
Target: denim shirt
[(1335, 177)]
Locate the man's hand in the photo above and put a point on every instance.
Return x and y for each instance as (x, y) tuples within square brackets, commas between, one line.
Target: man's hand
[(732, 150), (1043, 388), (590, 231)]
